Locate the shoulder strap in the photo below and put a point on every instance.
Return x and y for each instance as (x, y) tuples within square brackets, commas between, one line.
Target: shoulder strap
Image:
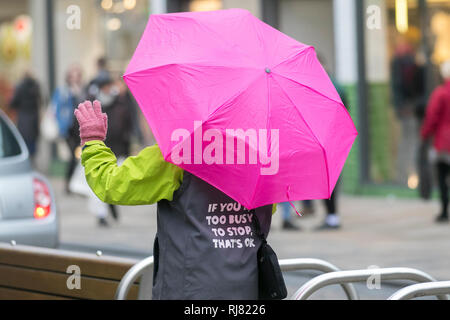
[(184, 185), (257, 226)]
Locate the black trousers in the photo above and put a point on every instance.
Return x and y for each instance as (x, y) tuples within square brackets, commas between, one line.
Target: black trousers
[(72, 161), (331, 204), (443, 171)]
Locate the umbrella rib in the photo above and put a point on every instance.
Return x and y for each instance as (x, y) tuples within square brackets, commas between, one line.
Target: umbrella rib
[(319, 93), (237, 95), (260, 40), (312, 133), (220, 37), (268, 136), (292, 56), (312, 89), (234, 97), (181, 64)]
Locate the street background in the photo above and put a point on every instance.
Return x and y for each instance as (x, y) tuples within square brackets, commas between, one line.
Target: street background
[(384, 221)]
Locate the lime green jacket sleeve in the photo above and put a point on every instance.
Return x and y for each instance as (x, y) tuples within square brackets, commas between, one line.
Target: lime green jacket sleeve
[(142, 179)]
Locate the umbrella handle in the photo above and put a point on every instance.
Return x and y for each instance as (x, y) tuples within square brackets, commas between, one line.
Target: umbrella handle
[(288, 198)]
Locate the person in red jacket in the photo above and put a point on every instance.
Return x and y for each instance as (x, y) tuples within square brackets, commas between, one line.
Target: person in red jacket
[(437, 125)]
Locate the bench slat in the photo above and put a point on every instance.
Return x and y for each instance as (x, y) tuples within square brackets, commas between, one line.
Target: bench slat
[(55, 283), (105, 267), (16, 294)]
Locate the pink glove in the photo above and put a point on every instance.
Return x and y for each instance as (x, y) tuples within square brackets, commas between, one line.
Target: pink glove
[(93, 123)]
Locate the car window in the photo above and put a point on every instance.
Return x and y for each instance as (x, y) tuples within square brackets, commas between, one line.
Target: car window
[(8, 143)]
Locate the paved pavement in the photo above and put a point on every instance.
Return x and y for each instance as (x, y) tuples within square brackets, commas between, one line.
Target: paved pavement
[(386, 232)]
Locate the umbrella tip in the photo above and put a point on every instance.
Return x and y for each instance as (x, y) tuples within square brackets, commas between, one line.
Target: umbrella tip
[(268, 70)]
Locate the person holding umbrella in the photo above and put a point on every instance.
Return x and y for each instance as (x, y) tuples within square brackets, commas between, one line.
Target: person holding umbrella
[(238, 129), (193, 260)]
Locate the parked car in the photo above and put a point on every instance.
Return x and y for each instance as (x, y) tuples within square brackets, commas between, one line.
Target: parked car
[(28, 212)]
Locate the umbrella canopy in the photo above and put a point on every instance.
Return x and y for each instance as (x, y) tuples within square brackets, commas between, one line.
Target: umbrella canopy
[(241, 105)]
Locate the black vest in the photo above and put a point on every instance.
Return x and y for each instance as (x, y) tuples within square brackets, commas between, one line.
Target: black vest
[(206, 247)]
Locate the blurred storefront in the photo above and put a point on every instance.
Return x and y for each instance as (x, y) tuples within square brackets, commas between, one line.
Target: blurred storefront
[(365, 46), (386, 54), (401, 61), (15, 46), (106, 28)]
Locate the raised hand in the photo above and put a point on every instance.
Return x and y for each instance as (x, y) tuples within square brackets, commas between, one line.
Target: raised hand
[(93, 123)]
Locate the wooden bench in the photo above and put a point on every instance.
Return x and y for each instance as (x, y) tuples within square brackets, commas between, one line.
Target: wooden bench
[(28, 272)]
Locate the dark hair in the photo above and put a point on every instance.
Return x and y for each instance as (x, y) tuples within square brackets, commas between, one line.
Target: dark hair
[(101, 62), (104, 81)]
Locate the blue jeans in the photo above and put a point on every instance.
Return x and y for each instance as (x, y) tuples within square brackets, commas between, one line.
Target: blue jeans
[(286, 210)]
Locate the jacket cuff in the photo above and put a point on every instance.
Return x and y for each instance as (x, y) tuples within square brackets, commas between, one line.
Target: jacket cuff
[(92, 142)]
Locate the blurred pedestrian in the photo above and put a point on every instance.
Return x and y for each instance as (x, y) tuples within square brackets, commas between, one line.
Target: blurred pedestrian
[(437, 126), (405, 73), (102, 75), (120, 111), (288, 224), (308, 207), (332, 220), (65, 99), (286, 207), (26, 101), (420, 97), (118, 106)]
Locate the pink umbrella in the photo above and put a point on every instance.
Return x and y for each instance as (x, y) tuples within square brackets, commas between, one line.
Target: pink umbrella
[(241, 105)]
